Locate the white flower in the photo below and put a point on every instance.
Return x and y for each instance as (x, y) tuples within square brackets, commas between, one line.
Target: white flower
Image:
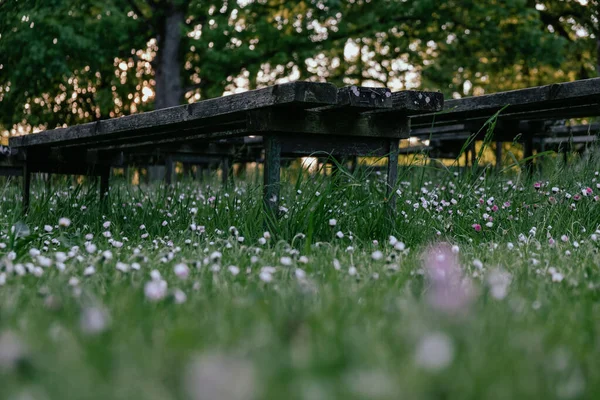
[(377, 255), (164, 223), (300, 273), (106, 225), (216, 255), (182, 271), (399, 246), (47, 228), (287, 261), (332, 222), (499, 281), (557, 277), (155, 290), (89, 271), (241, 239), (455, 249), (262, 241), (34, 252), (2, 278), (265, 276), (179, 296), (393, 240), (219, 376), (107, 254), (233, 270), (106, 234), (11, 350), (340, 235), (477, 263), (44, 261), (66, 222), (142, 227), (510, 246), (303, 260), (91, 248), (267, 235), (93, 321), (352, 271), (434, 352), (89, 237), (121, 266), (336, 264)]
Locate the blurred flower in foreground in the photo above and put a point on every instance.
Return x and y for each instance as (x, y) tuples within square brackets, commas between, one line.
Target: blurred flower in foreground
[(434, 352), (11, 350), (219, 376), (94, 320), (450, 291)]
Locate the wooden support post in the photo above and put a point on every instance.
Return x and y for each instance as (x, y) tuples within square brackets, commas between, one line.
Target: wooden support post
[(353, 164), (392, 174), (225, 171), (272, 167), (169, 170), (26, 188), (104, 183), (498, 155), (48, 182)]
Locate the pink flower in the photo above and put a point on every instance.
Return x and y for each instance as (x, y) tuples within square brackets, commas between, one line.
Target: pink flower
[(588, 190), (507, 204), (494, 208), (450, 292), (577, 197), (477, 227), (537, 185)]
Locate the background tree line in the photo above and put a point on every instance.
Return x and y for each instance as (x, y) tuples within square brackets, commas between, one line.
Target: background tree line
[(72, 61)]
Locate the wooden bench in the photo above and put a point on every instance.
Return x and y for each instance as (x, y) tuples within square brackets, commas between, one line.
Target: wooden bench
[(521, 113), (302, 117)]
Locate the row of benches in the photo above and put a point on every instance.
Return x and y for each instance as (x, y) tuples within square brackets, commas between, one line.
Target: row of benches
[(295, 120)]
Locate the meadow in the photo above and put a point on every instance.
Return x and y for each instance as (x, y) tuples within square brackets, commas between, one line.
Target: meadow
[(483, 285)]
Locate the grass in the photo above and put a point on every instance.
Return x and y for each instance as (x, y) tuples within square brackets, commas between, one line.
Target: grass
[(310, 314)]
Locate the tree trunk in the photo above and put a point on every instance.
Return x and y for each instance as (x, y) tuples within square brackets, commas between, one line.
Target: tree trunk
[(168, 90)]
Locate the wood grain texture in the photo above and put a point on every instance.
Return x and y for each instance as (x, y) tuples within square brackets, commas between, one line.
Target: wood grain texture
[(561, 100), (297, 94)]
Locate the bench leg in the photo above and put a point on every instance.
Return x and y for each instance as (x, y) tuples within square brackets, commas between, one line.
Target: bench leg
[(392, 174), (225, 175), (272, 168), (26, 189), (104, 183), (498, 155), (169, 171)]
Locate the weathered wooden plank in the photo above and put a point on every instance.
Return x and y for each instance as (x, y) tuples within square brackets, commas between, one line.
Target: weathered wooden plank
[(319, 123), (563, 100), (413, 102), (319, 145), (296, 94), (361, 98)]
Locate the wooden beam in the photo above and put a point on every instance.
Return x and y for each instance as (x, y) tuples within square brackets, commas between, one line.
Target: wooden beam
[(272, 167)]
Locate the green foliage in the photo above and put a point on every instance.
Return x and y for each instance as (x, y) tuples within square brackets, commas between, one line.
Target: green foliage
[(495, 45)]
